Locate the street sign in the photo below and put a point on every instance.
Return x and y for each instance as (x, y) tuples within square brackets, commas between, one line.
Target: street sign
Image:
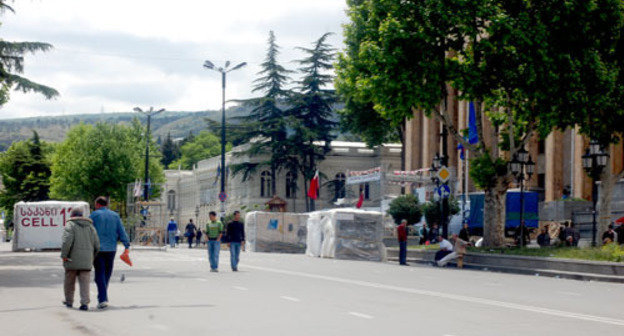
[(222, 196), (444, 191), (444, 174)]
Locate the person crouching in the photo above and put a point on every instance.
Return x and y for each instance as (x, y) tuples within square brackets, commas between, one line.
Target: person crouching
[(80, 245)]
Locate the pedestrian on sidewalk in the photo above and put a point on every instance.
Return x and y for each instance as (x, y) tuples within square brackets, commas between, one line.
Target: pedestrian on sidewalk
[(446, 248), (190, 232), (424, 234), (402, 237), (214, 233), (80, 245), (236, 238), (110, 230), (464, 233), (172, 229), (198, 237), (434, 233), (620, 234), (609, 236)]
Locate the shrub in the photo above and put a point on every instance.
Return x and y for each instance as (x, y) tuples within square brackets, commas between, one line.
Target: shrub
[(405, 207)]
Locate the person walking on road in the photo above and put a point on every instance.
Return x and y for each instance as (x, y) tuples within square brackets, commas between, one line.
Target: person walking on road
[(214, 232), (110, 230), (236, 238), (172, 229), (80, 245), (402, 237), (198, 237), (190, 232)]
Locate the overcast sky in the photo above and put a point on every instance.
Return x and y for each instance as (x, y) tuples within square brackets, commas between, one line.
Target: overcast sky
[(114, 55)]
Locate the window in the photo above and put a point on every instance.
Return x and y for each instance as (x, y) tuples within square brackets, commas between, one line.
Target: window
[(291, 185), (541, 181), (265, 184), (339, 185), (365, 189), (541, 146), (171, 200)]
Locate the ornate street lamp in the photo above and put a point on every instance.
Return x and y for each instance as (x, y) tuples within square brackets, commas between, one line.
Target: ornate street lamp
[(594, 161), (223, 70), (522, 167)]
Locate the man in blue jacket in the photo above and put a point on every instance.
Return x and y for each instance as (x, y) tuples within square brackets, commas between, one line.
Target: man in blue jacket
[(110, 230), (172, 229)]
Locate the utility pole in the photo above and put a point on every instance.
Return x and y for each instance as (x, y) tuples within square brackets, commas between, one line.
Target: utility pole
[(149, 115)]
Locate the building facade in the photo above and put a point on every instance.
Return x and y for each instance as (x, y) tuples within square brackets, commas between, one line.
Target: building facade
[(194, 193), (558, 168)]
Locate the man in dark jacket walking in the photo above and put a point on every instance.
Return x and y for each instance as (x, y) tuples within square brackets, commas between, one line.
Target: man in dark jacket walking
[(236, 238), (402, 237), (190, 232), (110, 230), (80, 245)]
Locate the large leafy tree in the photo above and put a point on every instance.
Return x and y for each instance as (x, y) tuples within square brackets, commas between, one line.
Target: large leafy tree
[(204, 145), (311, 114), (25, 172), (100, 159), (528, 65), (12, 66), (267, 121)]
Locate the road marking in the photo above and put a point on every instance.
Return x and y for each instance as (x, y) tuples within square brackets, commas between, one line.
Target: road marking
[(569, 293), (201, 279), (493, 284), (240, 288), (360, 315), (289, 298), (456, 297)]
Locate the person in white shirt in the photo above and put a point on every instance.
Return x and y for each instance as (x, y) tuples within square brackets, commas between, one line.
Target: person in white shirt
[(445, 248), (458, 253)]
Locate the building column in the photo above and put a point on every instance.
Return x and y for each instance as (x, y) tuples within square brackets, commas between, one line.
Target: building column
[(554, 166), (617, 157), (582, 183), (533, 148), (430, 140), (413, 139)]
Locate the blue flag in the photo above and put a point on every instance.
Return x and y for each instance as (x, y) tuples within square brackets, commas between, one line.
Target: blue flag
[(462, 154), (473, 135)]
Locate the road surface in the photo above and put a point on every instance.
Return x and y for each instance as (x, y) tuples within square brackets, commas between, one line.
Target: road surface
[(173, 292)]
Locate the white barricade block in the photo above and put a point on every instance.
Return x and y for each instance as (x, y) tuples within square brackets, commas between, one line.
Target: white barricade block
[(276, 232), (39, 225)]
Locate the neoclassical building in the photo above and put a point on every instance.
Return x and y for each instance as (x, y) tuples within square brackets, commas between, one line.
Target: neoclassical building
[(194, 193), (558, 157)]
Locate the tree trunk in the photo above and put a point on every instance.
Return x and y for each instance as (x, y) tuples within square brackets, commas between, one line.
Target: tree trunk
[(494, 214), (401, 130)]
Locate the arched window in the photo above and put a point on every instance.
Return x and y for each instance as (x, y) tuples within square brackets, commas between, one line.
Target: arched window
[(265, 184), (171, 204), (365, 189), (339, 185), (291, 185)]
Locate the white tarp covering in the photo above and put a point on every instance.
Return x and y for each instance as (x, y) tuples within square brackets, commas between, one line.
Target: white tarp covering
[(39, 225), (276, 232), (346, 234)]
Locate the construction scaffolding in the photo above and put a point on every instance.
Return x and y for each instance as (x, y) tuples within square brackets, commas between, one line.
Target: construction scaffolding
[(146, 219)]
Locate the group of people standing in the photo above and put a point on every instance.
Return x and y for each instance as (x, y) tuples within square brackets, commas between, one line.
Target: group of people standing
[(216, 233)]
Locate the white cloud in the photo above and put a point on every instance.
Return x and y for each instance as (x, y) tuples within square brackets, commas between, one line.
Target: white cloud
[(115, 55)]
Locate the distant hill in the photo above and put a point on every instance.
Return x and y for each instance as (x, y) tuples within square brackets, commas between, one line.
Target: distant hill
[(54, 129)]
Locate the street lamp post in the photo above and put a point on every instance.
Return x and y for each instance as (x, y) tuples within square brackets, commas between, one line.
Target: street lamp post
[(522, 167), (436, 165), (594, 161), (149, 115), (223, 70)]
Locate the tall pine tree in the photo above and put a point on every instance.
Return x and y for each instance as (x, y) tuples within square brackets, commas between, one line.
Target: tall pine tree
[(267, 120), (170, 151), (312, 110)]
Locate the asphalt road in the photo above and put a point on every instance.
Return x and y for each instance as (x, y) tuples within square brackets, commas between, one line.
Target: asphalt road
[(173, 292)]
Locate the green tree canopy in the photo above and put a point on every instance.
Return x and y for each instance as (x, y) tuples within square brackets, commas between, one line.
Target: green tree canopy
[(12, 65), (25, 172), (101, 160), (202, 146), (405, 207)]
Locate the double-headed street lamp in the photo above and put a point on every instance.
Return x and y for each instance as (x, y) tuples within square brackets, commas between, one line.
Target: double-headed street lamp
[(594, 161), (522, 167), (149, 115), (223, 70)]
